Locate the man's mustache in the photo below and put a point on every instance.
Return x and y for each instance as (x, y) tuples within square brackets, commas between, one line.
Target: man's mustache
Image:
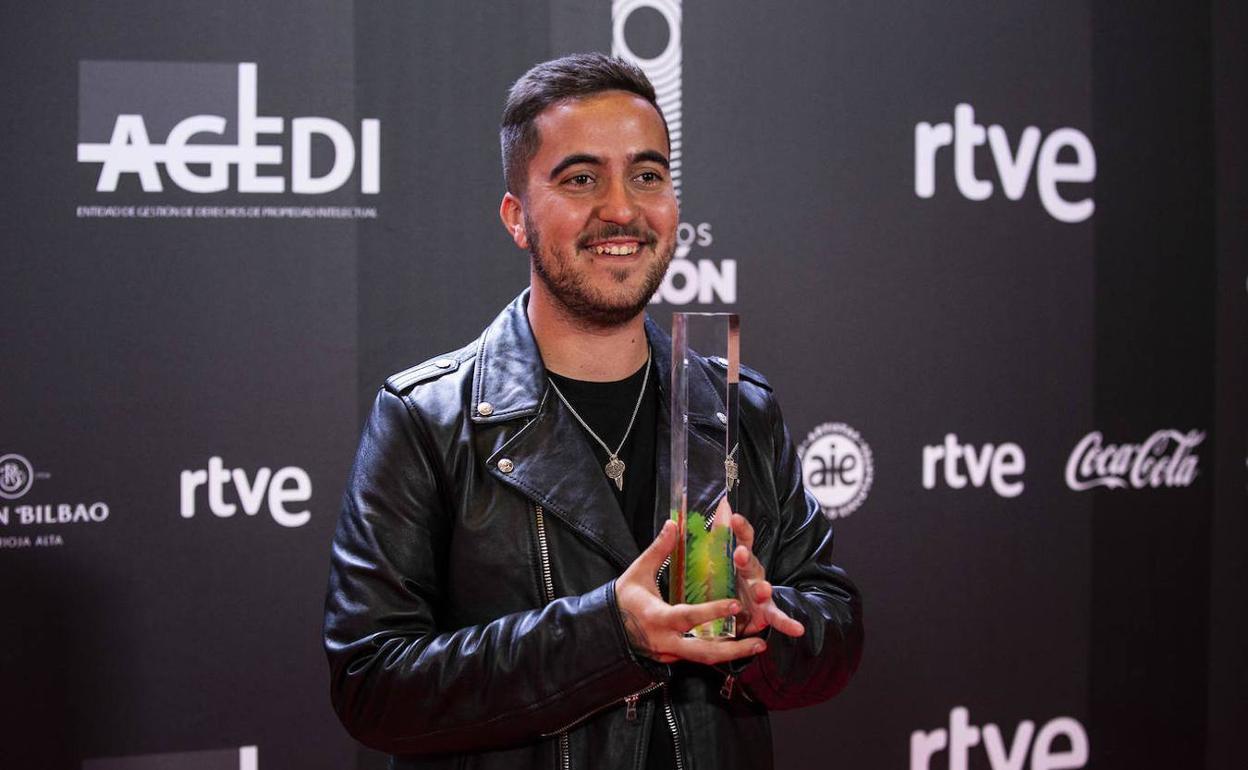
[(647, 237)]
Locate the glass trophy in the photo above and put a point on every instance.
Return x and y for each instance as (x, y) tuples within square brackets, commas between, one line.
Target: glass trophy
[(706, 350)]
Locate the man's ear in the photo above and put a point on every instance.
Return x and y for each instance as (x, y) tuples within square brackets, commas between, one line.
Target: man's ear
[(511, 211)]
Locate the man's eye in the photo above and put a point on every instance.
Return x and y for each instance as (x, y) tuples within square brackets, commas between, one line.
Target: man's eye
[(580, 180), (650, 177)]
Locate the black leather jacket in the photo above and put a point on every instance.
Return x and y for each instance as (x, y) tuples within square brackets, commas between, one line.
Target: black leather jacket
[(471, 619)]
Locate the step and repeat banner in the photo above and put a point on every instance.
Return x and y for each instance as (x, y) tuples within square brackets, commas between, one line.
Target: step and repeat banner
[(990, 255)]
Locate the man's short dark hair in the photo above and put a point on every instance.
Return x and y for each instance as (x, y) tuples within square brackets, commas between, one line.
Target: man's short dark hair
[(570, 77)]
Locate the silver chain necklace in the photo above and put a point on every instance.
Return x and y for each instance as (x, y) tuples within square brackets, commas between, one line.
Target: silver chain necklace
[(614, 466)]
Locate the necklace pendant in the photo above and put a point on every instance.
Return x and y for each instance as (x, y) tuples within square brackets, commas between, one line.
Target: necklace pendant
[(615, 472)]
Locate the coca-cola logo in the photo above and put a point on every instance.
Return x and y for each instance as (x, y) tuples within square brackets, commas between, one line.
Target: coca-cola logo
[(1165, 459)]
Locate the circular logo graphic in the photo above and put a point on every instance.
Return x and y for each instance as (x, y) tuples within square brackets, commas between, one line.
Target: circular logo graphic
[(16, 476), (836, 468), (667, 63)]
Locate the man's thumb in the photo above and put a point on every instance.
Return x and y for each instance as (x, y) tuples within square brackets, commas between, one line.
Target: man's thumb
[(652, 558)]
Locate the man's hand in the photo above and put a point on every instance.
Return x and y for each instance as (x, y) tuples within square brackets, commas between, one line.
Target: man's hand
[(657, 629), (758, 610)]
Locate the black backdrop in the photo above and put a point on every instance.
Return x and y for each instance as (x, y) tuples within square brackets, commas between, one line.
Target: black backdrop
[(962, 309)]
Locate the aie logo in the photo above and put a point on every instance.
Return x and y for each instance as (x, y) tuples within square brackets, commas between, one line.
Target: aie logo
[(1165, 459), (688, 280), (16, 476), (837, 468), (286, 485), (1013, 166), (129, 103), (1002, 465)]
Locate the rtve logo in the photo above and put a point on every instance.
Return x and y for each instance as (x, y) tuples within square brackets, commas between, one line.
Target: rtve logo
[(122, 105), (286, 485), (1047, 752), (1002, 465), (1013, 165)]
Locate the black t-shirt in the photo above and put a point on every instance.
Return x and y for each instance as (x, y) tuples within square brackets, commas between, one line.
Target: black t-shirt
[(607, 407)]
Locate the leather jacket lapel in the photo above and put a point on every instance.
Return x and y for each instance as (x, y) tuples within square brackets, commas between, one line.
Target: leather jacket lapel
[(554, 465), (550, 459), (509, 378)]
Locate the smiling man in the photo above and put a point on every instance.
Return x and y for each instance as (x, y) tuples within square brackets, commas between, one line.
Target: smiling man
[(599, 186), (495, 592)]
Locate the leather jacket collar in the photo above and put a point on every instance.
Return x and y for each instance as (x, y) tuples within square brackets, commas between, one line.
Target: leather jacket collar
[(550, 457)]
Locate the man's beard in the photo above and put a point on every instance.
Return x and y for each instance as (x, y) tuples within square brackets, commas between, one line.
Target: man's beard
[(573, 292)]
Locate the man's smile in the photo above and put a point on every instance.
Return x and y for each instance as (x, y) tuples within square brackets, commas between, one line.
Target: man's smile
[(615, 248), (617, 242)]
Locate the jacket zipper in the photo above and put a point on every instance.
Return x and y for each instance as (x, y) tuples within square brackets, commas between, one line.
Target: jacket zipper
[(630, 704), (548, 582), (630, 707), (548, 585), (671, 723)]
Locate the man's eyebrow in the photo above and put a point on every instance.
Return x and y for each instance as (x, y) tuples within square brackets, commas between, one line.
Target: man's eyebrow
[(654, 156), (572, 160)]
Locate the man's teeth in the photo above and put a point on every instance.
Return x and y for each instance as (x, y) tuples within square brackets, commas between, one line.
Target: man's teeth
[(616, 249)]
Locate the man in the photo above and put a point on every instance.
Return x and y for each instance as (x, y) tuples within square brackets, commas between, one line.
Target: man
[(494, 597)]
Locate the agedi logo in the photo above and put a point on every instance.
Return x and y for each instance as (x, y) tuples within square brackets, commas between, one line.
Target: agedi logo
[(128, 102)]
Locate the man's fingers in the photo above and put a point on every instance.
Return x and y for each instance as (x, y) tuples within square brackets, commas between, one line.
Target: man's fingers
[(786, 625), (747, 564), (652, 558), (718, 651), (762, 591), (683, 617), (744, 530)]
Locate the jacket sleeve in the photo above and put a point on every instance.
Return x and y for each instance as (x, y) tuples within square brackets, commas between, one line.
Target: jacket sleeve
[(809, 669), (402, 683)]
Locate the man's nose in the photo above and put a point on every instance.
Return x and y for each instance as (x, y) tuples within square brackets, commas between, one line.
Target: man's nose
[(617, 203)]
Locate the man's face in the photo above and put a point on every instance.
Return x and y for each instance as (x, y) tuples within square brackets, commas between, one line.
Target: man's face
[(599, 212)]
